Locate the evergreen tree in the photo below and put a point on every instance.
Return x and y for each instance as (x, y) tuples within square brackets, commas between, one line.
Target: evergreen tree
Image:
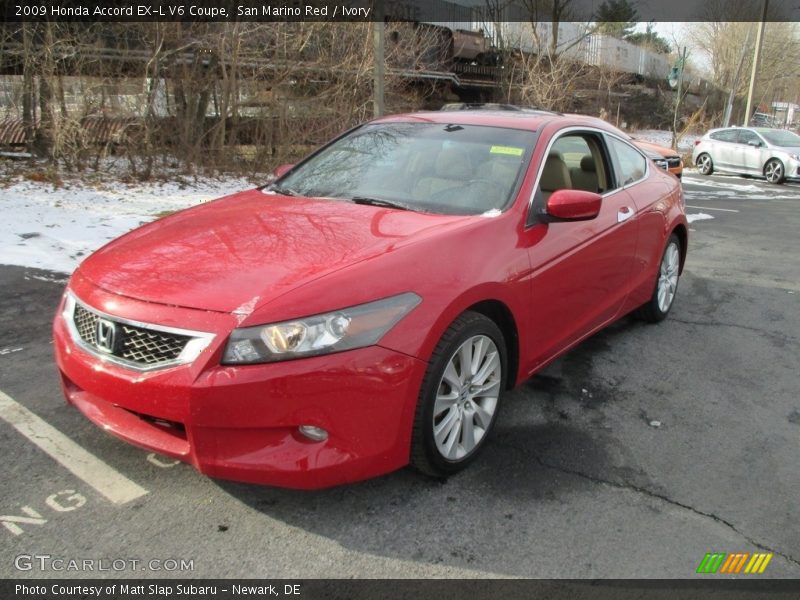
[(616, 18)]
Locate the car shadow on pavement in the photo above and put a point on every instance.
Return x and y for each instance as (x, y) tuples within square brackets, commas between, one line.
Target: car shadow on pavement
[(409, 516)]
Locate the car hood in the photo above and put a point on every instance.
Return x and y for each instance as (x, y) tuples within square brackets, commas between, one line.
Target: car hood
[(239, 252), (788, 149), (655, 148)]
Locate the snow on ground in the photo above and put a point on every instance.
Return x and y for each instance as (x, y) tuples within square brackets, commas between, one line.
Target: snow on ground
[(734, 189), (697, 217), (664, 138), (55, 228), (734, 185)]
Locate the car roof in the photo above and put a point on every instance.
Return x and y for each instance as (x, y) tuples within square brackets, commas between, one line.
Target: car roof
[(529, 119), (747, 127)]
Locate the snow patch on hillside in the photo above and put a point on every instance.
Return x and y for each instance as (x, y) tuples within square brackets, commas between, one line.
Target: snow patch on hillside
[(54, 228)]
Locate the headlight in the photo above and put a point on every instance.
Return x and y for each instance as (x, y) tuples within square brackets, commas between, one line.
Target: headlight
[(345, 329), (795, 156)]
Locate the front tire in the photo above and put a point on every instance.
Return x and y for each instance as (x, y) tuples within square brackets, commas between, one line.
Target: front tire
[(774, 171), (657, 308), (704, 164), (460, 396)]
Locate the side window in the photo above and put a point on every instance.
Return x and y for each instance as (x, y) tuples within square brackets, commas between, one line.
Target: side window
[(746, 136), (726, 135), (632, 165), (575, 161)]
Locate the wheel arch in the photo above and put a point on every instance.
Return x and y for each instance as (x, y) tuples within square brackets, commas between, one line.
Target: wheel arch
[(502, 316), (683, 237)]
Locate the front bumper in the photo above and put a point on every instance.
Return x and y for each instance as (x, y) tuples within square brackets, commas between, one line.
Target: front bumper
[(241, 422), (792, 169)]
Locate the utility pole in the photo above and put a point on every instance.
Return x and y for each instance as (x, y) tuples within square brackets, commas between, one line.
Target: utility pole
[(681, 65), (756, 58), (378, 107), (734, 85)]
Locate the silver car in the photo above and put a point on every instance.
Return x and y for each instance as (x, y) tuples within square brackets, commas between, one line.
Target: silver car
[(760, 151)]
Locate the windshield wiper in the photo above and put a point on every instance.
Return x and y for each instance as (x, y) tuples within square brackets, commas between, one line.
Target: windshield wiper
[(378, 202), (285, 191)]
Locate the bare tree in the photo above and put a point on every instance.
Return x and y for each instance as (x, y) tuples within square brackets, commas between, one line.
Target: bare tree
[(729, 49)]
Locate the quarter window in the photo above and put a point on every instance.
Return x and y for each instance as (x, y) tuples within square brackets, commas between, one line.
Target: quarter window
[(632, 165), (726, 135)]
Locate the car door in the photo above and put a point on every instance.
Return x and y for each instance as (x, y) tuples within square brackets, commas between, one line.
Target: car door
[(723, 151), (647, 194), (750, 152), (581, 269)]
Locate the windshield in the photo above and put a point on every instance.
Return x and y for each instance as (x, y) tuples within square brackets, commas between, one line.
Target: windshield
[(781, 137), (429, 167)]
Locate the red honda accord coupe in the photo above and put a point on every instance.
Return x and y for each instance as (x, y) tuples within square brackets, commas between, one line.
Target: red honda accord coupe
[(368, 309)]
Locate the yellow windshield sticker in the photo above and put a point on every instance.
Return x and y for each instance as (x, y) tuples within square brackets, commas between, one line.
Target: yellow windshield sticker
[(510, 150)]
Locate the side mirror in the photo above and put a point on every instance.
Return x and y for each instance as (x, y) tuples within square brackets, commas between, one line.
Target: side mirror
[(754, 143), (281, 170), (574, 205)]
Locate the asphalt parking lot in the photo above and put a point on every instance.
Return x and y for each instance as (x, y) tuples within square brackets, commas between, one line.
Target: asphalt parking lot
[(632, 456)]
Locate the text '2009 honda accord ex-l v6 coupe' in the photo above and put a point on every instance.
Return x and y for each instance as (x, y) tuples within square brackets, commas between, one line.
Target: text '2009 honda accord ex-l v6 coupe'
[(368, 309)]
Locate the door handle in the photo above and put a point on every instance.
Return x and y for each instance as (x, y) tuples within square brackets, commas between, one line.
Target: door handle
[(624, 213)]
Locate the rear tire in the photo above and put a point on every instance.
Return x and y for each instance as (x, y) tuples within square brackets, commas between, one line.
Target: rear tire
[(704, 164), (657, 308), (460, 396)]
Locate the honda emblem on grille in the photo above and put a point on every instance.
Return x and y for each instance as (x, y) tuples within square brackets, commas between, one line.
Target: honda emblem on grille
[(106, 335)]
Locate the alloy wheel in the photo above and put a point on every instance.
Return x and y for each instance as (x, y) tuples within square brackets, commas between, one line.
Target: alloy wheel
[(704, 164), (466, 397), (668, 277), (774, 171)]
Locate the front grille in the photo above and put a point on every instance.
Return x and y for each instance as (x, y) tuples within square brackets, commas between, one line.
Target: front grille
[(86, 324), (151, 347), (139, 345)]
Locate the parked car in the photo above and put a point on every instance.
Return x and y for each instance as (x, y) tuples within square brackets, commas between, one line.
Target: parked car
[(665, 158), (760, 151), (760, 119), (368, 308)]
